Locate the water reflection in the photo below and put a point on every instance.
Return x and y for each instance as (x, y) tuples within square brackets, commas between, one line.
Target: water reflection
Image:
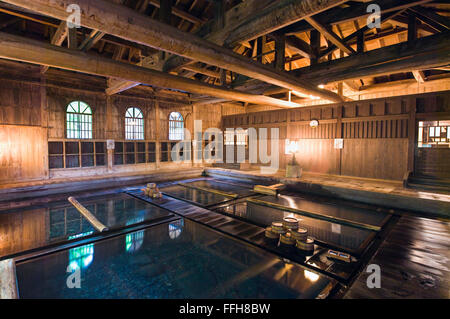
[(175, 228), (81, 257), (134, 241)]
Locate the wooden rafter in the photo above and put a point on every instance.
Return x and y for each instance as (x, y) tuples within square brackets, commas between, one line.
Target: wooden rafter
[(35, 52), (330, 35), (114, 19), (424, 53)]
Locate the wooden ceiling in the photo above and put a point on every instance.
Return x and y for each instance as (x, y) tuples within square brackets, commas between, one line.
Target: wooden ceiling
[(294, 46)]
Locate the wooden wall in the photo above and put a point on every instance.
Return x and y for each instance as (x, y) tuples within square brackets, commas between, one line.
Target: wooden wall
[(33, 111), (379, 135), (22, 138)]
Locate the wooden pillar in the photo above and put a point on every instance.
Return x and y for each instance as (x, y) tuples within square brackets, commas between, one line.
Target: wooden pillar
[(280, 51), (219, 14), (341, 84), (412, 133), (72, 38), (259, 49), (44, 124), (223, 77), (315, 46), (340, 110), (165, 16), (360, 43), (165, 11), (157, 134), (412, 28), (109, 132)]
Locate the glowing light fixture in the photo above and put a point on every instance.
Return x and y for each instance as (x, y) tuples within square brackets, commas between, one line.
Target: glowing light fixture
[(291, 147), (313, 277)]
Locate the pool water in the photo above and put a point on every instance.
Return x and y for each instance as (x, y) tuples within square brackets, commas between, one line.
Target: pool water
[(335, 235), (179, 259), (199, 197), (224, 186), (329, 207), (35, 227)]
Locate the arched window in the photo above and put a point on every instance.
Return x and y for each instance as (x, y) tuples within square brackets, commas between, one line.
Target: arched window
[(176, 126), (134, 124), (79, 120)]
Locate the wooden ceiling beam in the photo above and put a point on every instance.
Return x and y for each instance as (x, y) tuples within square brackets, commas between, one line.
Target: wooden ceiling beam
[(179, 13), (115, 19), (232, 19), (419, 76), (277, 16), (351, 13), (205, 71), (421, 54), (91, 40), (31, 51), (361, 31), (299, 46), (330, 35), (434, 19)]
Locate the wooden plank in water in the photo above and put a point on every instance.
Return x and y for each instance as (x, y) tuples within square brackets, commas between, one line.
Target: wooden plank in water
[(88, 215), (8, 281)]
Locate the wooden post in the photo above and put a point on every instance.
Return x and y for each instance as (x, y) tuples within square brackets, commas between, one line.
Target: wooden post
[(412, 133), (109, 133), (259, 49), (72, 38), (157, 134), (315, 46), (165, 11), (340, 110), (223, 77), (8, 280), (360, 43), (412, 28), (44, 124), (219, 14), (341, 84), (280, 51)]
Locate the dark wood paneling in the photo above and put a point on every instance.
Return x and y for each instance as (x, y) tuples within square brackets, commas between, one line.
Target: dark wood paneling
[(377, 158), (432, 162)]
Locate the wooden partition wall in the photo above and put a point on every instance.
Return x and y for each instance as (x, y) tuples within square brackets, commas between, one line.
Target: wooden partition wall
[(379, 136)]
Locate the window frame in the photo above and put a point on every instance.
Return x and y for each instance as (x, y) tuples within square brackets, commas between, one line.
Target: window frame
[(175, 135), (80, 114), (137, 131)]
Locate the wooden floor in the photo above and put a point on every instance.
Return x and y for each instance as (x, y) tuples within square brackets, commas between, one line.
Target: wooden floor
[(414, 261)]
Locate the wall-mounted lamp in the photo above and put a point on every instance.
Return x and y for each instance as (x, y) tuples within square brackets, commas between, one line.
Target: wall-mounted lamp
[(292, 168), (314, 123), (291, 147)]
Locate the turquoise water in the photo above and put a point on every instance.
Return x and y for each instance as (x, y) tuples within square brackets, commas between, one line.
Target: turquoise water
[(179, 259), (336, 235), (35, 227)]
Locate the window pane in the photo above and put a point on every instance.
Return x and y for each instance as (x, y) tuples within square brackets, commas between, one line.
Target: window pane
[(79, 120), (134, 124), (176, 126)]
